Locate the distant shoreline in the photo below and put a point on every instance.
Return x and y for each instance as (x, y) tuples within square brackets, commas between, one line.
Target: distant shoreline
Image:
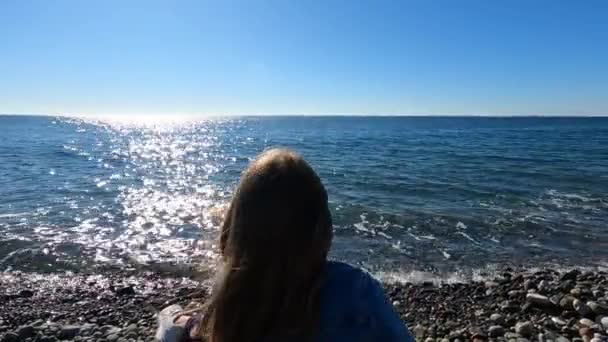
[(204, 116)]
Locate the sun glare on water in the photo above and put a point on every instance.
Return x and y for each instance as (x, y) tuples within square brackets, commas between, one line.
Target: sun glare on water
[(145, 119)]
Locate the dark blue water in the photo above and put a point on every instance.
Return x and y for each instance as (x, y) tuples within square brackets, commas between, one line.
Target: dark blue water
[(407, 193)]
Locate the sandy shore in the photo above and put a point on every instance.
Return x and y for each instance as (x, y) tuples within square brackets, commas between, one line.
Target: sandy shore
[(121, 306)]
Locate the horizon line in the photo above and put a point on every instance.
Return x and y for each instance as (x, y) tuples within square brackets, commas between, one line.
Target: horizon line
[(218, 115)]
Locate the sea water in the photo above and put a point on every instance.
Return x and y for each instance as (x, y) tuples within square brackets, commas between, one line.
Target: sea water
[(407, 194)]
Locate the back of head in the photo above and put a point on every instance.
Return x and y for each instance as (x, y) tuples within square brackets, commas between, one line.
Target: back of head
[(274, 242)]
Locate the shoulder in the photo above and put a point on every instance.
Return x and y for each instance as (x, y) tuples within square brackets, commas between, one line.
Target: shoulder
[(347, 279), (346, 294), (352, 288), (355, 307)]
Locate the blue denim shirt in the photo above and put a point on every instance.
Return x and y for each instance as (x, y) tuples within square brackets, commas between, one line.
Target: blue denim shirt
[(354, 307)]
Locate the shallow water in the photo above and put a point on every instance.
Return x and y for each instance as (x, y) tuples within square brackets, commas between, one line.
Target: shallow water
[(407, 194)]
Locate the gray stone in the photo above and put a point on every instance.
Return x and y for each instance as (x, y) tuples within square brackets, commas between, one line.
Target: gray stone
[(581, 308), (538, 299), (558, 321), (478, 336), (604, 322), (541, 302), (525, 329), (509, 306), (497, 318), (566, 302), (529, 284), (26, 331), (68, 332), (597, 308), (419, 332), (126, 291), (543, 286), (515, 293), (491, 284), (37, 323), (10, 337), (47, 339), (570, 275), (566, 286), (110, 330), (53, 328), (26, 293), (87, 329), (130, 328), (112, 338), (555, 299), (496, 331)]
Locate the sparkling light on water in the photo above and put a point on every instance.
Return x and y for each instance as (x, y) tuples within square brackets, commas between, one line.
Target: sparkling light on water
[(404, 193)]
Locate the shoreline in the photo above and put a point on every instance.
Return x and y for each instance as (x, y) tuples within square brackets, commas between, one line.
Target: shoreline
[(119, 305)]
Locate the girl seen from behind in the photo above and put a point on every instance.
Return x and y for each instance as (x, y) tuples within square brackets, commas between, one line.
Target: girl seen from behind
[(275, 282)]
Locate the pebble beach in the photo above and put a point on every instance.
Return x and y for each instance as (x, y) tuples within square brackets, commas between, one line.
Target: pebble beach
[(544, 305)]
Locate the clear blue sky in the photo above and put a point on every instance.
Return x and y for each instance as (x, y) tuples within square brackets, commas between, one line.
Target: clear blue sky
[(304, 57)]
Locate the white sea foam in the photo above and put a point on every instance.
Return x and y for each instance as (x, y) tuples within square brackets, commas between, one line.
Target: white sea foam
[(414, 236), (9, 215), (384, 235), (485, 273), (468, 237), (417, 276)]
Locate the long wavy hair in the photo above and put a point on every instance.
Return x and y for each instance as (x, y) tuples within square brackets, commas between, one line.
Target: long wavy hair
[(274, 243)]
